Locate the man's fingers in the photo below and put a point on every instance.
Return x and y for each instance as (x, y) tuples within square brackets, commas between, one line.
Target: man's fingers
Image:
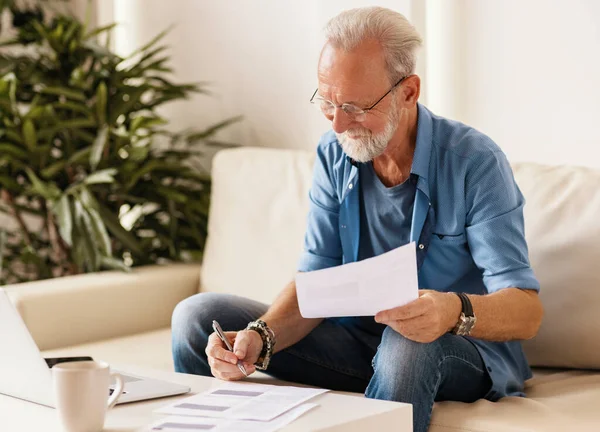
[(413, 325), (222, 366), (242, 342), (215, 348), (413, 309), (226, 371)]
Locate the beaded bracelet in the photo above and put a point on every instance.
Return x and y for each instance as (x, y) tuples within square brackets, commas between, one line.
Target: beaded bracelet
[(268, 337)]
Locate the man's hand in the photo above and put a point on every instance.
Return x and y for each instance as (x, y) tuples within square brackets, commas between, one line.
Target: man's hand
[(425, 319), (247, 345)]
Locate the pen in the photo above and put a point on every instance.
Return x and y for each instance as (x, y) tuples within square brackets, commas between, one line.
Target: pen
[(219, 332)]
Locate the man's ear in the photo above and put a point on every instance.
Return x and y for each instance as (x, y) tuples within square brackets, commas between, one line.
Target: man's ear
[(411, 91)]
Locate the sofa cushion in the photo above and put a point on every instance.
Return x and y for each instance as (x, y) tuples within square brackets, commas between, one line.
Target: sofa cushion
[(556, 402), (150, 349), (259, 204), (562, 224)]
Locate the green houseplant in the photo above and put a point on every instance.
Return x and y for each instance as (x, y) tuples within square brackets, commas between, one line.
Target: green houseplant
[(90, 178)]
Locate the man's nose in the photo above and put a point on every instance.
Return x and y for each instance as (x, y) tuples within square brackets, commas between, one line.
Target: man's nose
[(340, 121)]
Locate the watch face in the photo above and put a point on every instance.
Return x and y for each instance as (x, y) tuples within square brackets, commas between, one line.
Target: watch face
[(466, 325), (469, 323)]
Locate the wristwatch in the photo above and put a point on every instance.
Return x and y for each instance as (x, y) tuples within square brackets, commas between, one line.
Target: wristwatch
[(467, 318)]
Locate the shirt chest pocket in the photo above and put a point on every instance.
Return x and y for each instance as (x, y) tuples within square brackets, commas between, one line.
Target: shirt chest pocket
[(448, 239), (449, 253)]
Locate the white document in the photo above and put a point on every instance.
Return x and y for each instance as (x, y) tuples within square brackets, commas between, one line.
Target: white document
[(186, 424), (362, 288), (242, 401)]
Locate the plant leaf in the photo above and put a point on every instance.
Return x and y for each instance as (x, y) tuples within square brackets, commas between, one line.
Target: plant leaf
[(101, 103), (29, 135), (52, 170), (77, 123), (84, 223), (102, 176), (62, 210), (191, 138), (114, 226), (102, 238), (13, 135), (9, 183), (99, 30), (158, 37), (73, 106), (114, 264), (64, 91), (80, 155), (47, 190), (70, 31), (13, 150), (98, 147)]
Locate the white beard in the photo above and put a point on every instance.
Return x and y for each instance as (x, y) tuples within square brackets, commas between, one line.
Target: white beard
[(366, 146)]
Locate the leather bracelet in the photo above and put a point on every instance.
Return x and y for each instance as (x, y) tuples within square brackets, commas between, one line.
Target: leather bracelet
[(268, 337)]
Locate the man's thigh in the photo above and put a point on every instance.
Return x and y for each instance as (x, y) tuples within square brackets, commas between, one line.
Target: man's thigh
[(333, 356)]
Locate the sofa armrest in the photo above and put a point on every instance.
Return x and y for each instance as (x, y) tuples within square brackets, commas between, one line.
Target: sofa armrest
[(90, 307)]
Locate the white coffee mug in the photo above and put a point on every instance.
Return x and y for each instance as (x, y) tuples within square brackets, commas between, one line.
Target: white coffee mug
[(81, 391)]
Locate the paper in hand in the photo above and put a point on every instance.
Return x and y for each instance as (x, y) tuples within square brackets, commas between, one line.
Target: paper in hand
[(362, 288)]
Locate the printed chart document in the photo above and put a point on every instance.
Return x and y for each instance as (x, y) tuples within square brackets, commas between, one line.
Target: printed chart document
[(181, 423), (242, 401), (362, 288)]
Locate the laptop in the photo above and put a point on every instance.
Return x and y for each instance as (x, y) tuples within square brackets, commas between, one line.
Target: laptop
[(25, 374)]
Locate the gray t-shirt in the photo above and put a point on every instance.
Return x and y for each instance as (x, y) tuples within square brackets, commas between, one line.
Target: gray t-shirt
[(385, 213)]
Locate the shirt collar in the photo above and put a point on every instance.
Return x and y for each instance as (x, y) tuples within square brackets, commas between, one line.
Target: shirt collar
[(420, 165)]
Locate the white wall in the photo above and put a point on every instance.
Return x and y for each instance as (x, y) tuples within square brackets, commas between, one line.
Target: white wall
[(524, 72), (259, 56), (532, 77)]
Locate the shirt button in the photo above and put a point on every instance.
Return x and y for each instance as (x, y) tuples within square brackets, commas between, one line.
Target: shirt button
[(349, 185), (421, 246), (489, 369)]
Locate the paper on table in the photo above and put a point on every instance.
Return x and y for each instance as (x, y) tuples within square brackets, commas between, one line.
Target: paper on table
[(242, 401), (181, 423), (362, 288)]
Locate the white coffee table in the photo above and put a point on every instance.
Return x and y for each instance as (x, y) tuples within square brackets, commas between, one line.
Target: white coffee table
[(336, 411)]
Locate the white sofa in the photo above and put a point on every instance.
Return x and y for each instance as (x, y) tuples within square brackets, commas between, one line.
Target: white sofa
[(256, 227)]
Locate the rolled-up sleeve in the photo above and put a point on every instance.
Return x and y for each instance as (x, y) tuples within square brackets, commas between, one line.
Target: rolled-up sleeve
[(495, 225), (322, 244)]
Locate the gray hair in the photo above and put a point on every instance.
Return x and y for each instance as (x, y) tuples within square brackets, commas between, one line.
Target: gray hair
[(397, 36)]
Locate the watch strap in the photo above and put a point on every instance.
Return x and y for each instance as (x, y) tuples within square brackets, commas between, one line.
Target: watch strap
[(467, 307)]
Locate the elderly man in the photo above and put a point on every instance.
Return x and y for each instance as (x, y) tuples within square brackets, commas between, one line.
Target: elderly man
[(389, 173)]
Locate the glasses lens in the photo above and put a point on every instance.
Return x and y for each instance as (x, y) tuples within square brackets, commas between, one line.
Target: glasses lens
[(327, 107), (355, 112)]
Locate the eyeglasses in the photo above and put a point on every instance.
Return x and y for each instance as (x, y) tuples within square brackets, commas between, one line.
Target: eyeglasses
[(357, 114)]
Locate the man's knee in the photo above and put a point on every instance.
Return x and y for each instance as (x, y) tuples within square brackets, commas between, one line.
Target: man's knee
[(400, 366), (193, 316), (400, 355)]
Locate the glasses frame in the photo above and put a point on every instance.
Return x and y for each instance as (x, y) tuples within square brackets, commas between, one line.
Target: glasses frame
[(364, 110)]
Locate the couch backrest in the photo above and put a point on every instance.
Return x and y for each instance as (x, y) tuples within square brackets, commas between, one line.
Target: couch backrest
[(258, 217), (562, 225), (257, 220)]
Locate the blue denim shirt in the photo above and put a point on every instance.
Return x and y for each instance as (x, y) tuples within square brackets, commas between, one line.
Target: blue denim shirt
[(467, 223)]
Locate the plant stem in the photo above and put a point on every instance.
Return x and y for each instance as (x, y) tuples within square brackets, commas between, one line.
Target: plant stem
[(8, 198), (59, 247)]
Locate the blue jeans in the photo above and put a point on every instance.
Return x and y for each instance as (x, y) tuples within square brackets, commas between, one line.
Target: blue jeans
[(346, 354)]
